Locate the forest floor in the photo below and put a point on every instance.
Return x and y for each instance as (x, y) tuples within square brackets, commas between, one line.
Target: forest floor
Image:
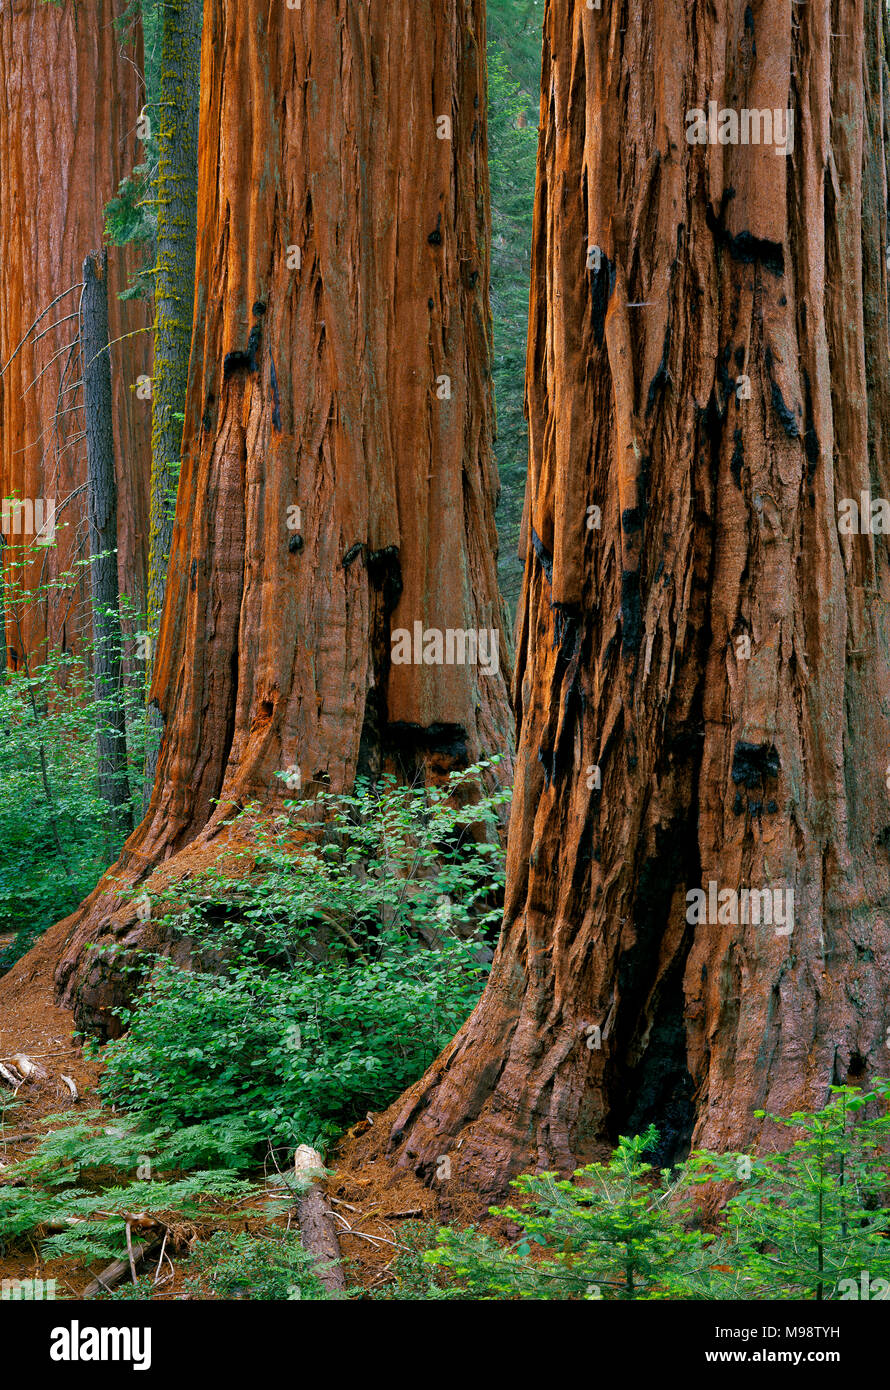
[(371, 1198)]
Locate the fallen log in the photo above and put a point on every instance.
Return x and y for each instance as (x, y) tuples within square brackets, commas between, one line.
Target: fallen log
[(119, 1269), (318, 1234)]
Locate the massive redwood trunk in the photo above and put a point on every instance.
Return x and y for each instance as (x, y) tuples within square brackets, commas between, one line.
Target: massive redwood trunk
[(716, 653), (337, 477), (72, 96)]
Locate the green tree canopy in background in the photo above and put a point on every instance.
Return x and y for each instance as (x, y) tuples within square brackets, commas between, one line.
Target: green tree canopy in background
[(514, 68)]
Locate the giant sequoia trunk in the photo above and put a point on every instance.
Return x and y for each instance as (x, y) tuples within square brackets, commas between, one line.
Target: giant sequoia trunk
[(701, 685), (337, 479), (72, 96)]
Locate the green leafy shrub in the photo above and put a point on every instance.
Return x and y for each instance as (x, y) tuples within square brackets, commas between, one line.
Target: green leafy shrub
[(344, 957), (52, 818)]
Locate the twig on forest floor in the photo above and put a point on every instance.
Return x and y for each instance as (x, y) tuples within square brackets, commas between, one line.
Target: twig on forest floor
[(161, 1258), (130, 1253), (364, 1235)]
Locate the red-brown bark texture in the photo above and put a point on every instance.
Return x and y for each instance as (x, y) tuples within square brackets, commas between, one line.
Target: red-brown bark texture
[(333, 488), (72, 97), (701, 682)]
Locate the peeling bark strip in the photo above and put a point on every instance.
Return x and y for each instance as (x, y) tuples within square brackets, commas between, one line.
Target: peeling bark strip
[(755, 765), (63, 150), (338, 154)]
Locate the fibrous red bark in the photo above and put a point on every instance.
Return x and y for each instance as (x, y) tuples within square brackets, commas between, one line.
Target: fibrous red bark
[(72, 95), (702, 687), (337, 477)]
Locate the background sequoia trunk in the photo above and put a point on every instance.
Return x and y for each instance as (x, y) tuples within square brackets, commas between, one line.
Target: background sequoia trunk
[(102, 513), (72, 95), (719, 762), (333, 485)]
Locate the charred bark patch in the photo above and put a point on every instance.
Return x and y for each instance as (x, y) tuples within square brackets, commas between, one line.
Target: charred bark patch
[(810, 437), (744, 247), (385, 574), (545, 559), (723, 376), (737, 462), (754, 250), (686, 744), (601, 287), (656, 1087), (369, 762), (547, 759), (244, 359), (565, 633), (449, 741), (276, 399), (631, 612), (752, 763), (662, 375), (785, 414)]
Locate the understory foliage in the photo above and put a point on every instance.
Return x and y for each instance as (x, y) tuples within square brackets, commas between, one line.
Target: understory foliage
[(77, 1190), (54, 824), (333, 958), (262, 1267), (809, 1222)]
